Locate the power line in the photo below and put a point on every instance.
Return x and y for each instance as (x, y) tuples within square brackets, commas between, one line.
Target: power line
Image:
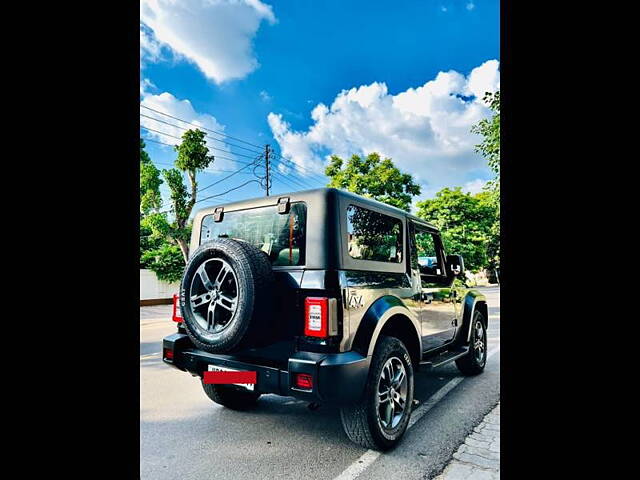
[(228, 176), (178, 138), (230, 190), (204, 128), (208, 136), (217, 157), (294, 166)]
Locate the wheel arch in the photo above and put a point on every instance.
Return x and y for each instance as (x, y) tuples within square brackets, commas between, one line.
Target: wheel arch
[(388, 316), (473, 301)]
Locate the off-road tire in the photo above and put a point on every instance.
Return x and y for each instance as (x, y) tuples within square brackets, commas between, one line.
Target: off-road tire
[(469, 364), (230, 396), (360, 421), (250, 325)]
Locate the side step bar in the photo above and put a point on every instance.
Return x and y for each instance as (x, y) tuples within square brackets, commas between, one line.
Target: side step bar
[(445, 357)]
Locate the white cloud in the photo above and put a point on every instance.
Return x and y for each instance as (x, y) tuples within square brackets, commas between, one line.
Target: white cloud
[(216, 35), (474, 186), (165, 102), (425, 130), (470, 6), (264, 95)]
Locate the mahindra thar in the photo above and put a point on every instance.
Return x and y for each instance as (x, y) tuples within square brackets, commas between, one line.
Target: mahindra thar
[(328, 297)]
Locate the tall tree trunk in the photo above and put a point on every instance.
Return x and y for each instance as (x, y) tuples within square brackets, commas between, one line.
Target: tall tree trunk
[(184, 248)]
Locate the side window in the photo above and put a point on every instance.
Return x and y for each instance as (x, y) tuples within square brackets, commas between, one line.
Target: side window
[(429, 256), (373, 236)]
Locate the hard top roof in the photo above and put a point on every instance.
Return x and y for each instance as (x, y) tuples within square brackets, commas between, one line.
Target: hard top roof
[(308, 195)]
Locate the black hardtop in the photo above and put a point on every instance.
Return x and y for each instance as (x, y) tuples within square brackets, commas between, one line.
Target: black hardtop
[(311, 196)]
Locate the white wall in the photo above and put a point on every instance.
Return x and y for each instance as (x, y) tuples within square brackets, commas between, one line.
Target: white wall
[(152, 288)]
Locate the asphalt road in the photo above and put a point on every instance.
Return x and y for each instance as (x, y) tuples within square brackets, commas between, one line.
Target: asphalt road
[(185, 435)]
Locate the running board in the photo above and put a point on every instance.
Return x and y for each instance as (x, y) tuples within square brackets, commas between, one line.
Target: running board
[(445, 357)]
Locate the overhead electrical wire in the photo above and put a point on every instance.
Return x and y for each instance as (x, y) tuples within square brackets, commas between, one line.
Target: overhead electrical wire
[(204, 128)]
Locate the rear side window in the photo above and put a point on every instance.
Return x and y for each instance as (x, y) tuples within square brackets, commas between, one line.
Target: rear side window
[(373, 236), (281, 236)]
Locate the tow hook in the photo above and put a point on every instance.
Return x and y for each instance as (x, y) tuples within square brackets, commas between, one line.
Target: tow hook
[(313, 406)]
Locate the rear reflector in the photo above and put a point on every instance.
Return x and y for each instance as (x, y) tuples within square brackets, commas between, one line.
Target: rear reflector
[(176, 309), (168, 354), (303, 380)]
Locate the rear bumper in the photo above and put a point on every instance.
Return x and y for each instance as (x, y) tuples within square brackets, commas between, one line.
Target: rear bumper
[(338, 378)]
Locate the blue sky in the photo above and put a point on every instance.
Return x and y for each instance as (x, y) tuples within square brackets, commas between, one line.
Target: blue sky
[(402, 78)]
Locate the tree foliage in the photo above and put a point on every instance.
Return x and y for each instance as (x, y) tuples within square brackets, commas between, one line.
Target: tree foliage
[(490, 131), (165, 261), (150, 182), (373, 177), (490, 149), (465, 222), (193, 157)]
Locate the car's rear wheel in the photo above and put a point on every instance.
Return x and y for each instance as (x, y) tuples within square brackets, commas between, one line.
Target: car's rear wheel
[(474, 362), (381, 418), (231, 396)]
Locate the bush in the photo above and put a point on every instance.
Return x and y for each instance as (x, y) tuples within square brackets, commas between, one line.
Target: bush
[(166, 262)]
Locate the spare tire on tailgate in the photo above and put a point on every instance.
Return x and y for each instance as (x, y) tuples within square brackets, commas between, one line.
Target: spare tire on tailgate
[(226, 296)]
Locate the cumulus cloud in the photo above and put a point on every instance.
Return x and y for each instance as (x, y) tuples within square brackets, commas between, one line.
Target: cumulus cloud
[(474, 186), (165, 102), (216, 35), (425, 130)]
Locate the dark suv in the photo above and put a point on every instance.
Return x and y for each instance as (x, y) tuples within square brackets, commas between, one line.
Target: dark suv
[(328, 297)]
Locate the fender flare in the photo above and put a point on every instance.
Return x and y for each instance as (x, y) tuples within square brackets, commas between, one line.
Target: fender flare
[(472, 301), (374, 320)]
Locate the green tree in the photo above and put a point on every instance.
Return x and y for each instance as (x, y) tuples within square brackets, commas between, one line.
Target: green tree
[(489, 129), (465, 222), (150, 182), (193, 157), (373, 177)]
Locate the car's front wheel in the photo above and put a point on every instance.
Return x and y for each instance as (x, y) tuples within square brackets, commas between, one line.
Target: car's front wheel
[(381, 418), (474, 362)]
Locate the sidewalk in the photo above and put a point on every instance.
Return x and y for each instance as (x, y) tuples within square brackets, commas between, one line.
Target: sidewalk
[(154, 313), (478, 458)]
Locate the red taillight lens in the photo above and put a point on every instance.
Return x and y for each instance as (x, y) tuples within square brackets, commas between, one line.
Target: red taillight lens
[(168, 354), (176, 309), (303, 380), (315, 316)]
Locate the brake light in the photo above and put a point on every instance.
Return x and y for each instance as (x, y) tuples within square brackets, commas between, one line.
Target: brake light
[(176, 309), (303, 380), (315, 314), (320, 317), (168, 354)]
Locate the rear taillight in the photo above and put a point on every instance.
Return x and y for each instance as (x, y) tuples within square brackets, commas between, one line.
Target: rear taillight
[(168, 354), (303, 380), (320, 317), (176, 309)]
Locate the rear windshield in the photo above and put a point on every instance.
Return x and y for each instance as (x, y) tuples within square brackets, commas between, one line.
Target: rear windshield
[(281, 236)]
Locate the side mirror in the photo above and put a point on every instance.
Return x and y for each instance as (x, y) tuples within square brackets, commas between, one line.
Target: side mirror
[(455, 264)]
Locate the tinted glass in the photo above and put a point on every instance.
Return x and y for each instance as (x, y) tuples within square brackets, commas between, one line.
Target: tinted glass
[(373, 236), (281, 236)]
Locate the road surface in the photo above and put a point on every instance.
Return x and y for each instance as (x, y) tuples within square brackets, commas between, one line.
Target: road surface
[(185, 435)]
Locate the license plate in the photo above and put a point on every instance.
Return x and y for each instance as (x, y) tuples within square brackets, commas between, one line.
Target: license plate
[(216, 368)]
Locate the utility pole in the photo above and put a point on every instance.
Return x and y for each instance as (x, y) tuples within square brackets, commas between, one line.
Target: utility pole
[(266, 157)]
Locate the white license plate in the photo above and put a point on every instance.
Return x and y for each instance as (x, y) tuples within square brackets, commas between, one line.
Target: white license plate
[(216, 368)]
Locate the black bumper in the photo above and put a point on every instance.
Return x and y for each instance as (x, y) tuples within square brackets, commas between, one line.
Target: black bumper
[(338, 378)]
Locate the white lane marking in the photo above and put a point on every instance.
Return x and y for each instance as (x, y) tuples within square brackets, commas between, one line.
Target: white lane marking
[(142, 357), (367, 458)]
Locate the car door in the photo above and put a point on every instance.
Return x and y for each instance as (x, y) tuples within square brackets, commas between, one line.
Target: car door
[(438, 312)]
